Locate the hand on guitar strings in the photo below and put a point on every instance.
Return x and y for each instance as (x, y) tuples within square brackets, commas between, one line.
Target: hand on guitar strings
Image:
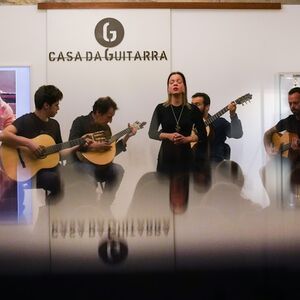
[(132, 132), (37, 150), (96, 142), (99, 146), (232, 108)]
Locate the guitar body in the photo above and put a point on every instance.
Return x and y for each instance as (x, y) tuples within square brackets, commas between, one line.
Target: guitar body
[(103, 158), (282, 144), (193, 133), (98, 157), (20, 164)]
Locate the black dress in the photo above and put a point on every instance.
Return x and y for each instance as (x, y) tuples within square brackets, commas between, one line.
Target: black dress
[(171, 157)]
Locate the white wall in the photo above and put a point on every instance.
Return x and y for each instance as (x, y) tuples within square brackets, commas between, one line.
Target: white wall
[(23, 41)]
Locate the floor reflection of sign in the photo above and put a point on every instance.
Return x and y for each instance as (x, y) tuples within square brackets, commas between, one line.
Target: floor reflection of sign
[(94, 227), (113, 251)]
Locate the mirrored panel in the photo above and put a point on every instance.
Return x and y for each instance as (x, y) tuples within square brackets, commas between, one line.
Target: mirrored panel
[(15, 101)]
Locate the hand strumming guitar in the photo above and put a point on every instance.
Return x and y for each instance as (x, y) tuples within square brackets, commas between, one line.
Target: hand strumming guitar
[(268, 142), (101, 144), (9, 137), (37, 150)]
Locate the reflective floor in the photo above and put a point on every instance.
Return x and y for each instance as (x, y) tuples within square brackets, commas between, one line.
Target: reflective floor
[(172, 231)]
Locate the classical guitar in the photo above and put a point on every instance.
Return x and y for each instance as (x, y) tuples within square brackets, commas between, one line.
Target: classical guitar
[(105, 157), (282, 144), (20, 164), (241, 100)]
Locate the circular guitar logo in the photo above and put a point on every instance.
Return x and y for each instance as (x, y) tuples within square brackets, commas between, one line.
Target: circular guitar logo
[(109, 32)]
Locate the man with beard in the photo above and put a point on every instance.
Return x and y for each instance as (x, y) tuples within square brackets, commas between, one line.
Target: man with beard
[(220, 129), (283, 144), (291, 125)]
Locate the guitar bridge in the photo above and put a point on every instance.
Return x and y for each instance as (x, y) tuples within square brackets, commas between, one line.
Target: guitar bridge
[(20, 158)]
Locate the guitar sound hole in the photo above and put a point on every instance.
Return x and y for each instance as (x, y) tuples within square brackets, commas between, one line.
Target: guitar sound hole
[(43, 153)]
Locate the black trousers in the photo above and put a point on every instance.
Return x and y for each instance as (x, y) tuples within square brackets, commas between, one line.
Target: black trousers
[(50, 180)]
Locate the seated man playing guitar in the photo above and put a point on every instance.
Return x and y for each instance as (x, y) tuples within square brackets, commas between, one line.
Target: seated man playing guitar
[(283, 144), (21, 133), (287, 144), (101, 169)]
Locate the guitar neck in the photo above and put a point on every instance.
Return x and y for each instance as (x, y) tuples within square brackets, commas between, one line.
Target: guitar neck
[(57, 147), (118, 135), (216, 116)]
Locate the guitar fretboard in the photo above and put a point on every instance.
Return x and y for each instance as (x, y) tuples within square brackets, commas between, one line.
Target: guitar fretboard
[(240, 100), (136, 125), (118, 135), (57, 147), (216, 116)]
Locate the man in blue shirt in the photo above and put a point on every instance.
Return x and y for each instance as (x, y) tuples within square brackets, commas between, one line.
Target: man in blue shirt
[(220, 129)]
